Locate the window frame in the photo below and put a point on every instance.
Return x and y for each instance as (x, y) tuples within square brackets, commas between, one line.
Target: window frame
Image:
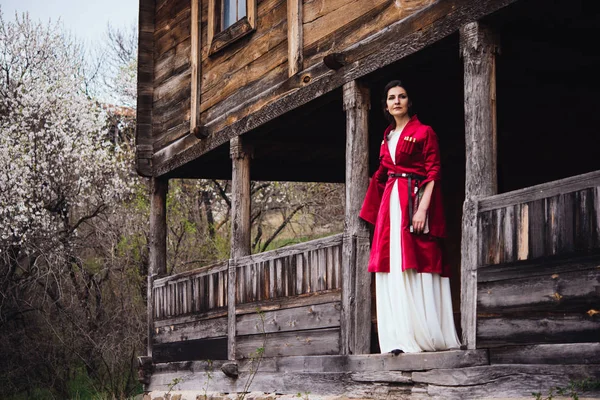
[(219, 39)]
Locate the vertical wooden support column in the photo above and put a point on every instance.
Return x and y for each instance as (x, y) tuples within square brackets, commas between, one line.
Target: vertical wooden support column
[(295, 36), (158, 244), (240, 227), (196, 67), (478, 49), (231, 319), (356, 280)]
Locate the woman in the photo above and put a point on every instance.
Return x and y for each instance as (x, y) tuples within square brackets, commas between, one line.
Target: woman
[(414, 304)]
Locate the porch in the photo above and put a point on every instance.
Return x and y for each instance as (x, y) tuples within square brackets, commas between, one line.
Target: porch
[(536, 313)]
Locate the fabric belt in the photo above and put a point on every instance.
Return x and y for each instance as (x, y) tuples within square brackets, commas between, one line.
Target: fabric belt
[(411, 178)]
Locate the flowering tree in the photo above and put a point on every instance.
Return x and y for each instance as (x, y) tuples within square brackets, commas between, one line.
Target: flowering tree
[(59, 173)]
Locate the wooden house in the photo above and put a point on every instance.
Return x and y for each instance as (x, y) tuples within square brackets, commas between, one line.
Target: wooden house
[(288, 90)]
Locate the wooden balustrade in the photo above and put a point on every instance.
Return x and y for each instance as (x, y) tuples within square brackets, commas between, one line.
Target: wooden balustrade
[(291, 271), (194, 291), (551, 219), (539, 264)]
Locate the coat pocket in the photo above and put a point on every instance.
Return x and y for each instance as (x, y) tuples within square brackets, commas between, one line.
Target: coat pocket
[(407, 144)]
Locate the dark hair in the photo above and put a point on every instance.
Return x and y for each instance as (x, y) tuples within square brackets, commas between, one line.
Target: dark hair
[(386, 89)]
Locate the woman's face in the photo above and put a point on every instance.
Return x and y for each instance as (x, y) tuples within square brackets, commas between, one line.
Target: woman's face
[(397, 102)]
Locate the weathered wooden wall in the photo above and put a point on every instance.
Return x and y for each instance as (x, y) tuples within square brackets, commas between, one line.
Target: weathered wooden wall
[(539, 264), (252, 72), (297, 288), (172, 72), (333, 25)]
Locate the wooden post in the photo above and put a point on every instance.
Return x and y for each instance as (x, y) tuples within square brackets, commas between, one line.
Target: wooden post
[(240, 228), (356, 280), (231, 319), (240, 198), (478, 49), (196, 66), (295, 36), (158, 244)]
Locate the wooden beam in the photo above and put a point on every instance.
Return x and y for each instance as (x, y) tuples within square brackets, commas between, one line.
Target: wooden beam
[(231, 318), (158, 243), (240, 198), (145, 88), (478, 50), (356, 280), (240, 229), (196, 67), (295, 36)]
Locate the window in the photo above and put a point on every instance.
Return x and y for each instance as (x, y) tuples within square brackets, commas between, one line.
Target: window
[(228, 21), (233, 11)]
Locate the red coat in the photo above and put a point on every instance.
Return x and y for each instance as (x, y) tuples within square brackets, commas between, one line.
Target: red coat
[(421, 156)]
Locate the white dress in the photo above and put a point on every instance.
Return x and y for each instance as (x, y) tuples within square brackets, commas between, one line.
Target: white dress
[(414, 310)]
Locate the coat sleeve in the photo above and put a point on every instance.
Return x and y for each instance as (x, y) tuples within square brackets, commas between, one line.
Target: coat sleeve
[(370, 206), (431, 156)]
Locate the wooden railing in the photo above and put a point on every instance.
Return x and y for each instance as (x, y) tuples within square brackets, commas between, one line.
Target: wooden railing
[(290, 271), (298, 289), (194, 291), (538, 264), (551, 219)]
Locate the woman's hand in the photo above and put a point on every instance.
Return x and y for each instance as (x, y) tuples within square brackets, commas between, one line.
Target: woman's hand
[(418, 221)]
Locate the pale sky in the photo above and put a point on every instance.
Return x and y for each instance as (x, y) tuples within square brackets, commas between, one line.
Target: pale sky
[(85, 19)]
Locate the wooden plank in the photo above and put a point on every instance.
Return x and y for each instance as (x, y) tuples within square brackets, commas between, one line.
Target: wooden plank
[(377, 18), (201, 329), (567, 291), (509, 237), (145, 66), (311, 342), (584, 220), (314, 270), (201, 349), (561, 354), (538, 267), (231, 309), (293, 249), (348, 276), (478, 49), (468, 273), (357, 103), (158, 227), (299, 273), (207, 270), (240, 198), (388, 45), (289, 302), (499, 375), (382, 376), (196, 65), (455, 359), (537, 229), (544, 190), (322, 268), (331, 16), (291, 319), (295, 36), (278, 278), (557, 328), (523, 232)]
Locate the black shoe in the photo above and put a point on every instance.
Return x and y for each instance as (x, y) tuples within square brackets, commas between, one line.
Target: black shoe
[(396, 352)]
